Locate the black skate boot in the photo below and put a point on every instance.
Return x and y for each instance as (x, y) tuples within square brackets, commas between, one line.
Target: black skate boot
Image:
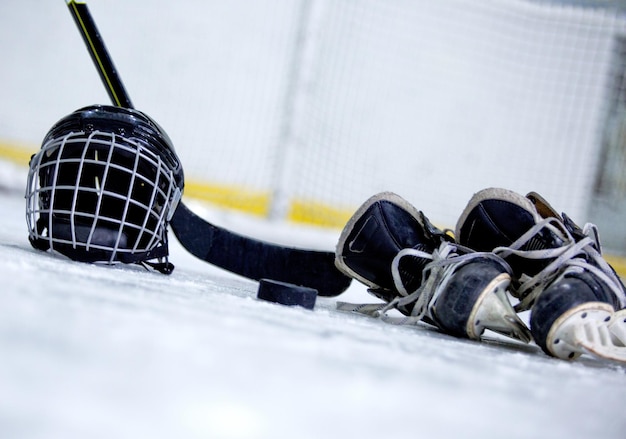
[(419, 270), (559, 272)]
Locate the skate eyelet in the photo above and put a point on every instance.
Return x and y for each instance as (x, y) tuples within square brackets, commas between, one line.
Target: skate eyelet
[(583, 315), (571, 355), (607, 318), (557, 341)]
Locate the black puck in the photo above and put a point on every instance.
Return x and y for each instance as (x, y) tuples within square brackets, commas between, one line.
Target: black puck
[(286, 293)]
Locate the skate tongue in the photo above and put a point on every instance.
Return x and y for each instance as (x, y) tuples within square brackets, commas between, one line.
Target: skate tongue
[(494, 312), (591, 328)]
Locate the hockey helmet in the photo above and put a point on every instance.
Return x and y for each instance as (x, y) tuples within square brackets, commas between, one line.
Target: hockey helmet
[(103, 188)]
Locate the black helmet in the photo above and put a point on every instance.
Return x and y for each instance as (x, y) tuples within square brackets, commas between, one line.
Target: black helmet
[(103, 188)]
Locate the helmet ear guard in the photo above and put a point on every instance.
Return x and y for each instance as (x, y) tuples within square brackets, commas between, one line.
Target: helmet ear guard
[(103, 188)]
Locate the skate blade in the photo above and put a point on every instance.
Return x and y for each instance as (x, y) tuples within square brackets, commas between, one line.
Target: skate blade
[(493, 311), (591, 328)]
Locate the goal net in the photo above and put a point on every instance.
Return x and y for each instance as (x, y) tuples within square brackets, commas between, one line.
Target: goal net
[(330, 102)]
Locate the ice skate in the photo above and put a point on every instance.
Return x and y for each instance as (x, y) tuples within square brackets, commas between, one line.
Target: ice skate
[(420, 271), (560, 274)]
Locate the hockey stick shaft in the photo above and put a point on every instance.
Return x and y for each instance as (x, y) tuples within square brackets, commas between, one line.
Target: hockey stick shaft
[(99, 54)]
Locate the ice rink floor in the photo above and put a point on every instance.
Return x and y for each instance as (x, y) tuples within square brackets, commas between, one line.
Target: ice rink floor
[(99, 352)]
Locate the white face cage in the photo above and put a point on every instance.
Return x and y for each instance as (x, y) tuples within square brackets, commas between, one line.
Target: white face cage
[(100, 197)]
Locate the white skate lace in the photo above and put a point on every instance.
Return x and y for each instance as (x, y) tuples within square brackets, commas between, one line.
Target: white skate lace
[(572, 256), (435, 275)]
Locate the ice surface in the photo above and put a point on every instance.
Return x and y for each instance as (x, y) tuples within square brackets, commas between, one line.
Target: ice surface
[(100, 352)]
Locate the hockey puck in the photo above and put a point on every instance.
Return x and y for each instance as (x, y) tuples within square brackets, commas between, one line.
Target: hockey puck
[(286, 293)]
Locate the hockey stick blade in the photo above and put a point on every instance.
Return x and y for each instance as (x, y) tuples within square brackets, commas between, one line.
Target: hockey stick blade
[(257, 259), (241, 255)]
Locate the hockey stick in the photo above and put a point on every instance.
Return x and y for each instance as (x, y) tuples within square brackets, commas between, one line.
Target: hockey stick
[(99, 54), (236, 253)]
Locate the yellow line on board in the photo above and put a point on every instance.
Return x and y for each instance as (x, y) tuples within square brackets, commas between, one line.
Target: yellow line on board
[(252, 201), (231, 197), (18, 153), (318, 214), (618, 263)]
